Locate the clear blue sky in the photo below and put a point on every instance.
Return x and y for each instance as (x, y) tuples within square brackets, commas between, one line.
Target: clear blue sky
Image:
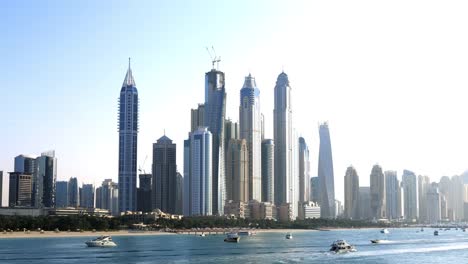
[(389, 77)]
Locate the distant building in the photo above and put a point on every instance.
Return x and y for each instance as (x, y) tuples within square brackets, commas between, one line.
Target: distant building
[(20, 189), (197, 118), (164, 175), (237, 171), (423, 186), (285, 212), (401, 201), (433, 209), (304, 176), (73, 193), (392, 186), (364, 203), (311, 210), (25, 164), (62, 194), (44, 178), (179, 194), (144, 203), (107, 197), (314, 190), (410, 185), (325, 174), (351, 190), (268, 170), (87, 196), (377, 192), (128, 143), (457, 198)]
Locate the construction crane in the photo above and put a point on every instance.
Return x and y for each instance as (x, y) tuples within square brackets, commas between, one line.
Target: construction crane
[(214, 59), (140, 168)]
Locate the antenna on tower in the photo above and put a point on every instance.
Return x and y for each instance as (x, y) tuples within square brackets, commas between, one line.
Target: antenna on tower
[(214, 59)]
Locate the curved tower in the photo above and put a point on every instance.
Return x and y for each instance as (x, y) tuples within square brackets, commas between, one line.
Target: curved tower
[(128, 131), (325, 174), (250, 120)]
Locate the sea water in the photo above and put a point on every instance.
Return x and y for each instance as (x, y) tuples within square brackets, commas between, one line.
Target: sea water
[(404, 245)]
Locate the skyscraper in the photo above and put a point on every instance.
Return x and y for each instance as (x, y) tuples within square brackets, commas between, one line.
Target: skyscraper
[(250, 123), (304, 171), (144, 199), (179, 194), (20, 189), (351, 188), (423, 186), (164, 175), (25, 164), (364, 203), (325, 174), (237, 171), (268, 170), (283, 138), (377, 192), (128, 136), (392, 186), (73, 193), (87, 196), (44, 177), (457, 198), (108, 197), (433, 209), (197, 117), (410, 185), (62, 194), (198, 173)]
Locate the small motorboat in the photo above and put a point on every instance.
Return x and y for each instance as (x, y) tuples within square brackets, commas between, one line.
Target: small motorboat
[(376, 241), (102, 241), (232, 237), (436, 233), (289, 236), (341, 246), (384, 231), (422, 229), (202, 234), (464, 229)]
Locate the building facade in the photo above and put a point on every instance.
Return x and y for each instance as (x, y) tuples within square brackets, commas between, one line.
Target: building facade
[(164, 175), (411, 204), (107, 197), (20, 189), (268, 170), (62, 194), (44, 178), (283, 138), (128, 143), (391, 194), (325, 174), (237, 171), (315, 190), (250, 124), (73, 193), (423, 186), (87, 196), (351, 190), (144, 199), (377, 192)]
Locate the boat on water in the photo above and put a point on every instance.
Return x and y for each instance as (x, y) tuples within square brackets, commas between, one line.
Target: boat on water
[(232, 237), (202, 234), (436, 233), (376, 241), (102, 241), (384, 231), (463, 229), (422, 229), (246, 233), (289, 236), (341, 246)]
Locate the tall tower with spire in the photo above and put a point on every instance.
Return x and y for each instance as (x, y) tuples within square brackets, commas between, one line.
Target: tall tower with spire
[(128, 136), (250, 119)]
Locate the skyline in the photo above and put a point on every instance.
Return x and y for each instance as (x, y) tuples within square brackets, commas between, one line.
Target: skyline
[(340, 89)]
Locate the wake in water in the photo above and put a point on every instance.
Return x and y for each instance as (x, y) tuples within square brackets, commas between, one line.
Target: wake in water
[(409, 250)]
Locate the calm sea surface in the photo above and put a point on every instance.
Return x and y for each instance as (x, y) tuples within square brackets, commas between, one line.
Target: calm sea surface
[(404, 246)]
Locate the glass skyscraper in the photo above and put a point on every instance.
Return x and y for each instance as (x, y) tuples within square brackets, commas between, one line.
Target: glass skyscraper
[(164, 175), (128, 133), (215, 113), (325, 174)]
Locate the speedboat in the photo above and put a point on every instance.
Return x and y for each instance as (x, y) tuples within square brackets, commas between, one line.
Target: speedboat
[(341, 246), (384, 231), (436, 233), (289, 236), (202, 234), (102, 241), (376, 241), (232, 237)]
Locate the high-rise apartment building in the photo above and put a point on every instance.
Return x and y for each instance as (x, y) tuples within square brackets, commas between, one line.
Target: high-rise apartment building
[(364, 203), (107, 197), (315, 190), (61, 194), (20, 189), (351, 190), (164, 175), (268, 170), (215, 114), (73, 193), (410, 185), (377, 192), (179, 194), (44, 178), (87, 196), (197, 117), (433, 206), (325, 174), (128, 139), (423, 186), (237, 171), (283, 138), (392, 186), (144, 200), (304, 171), (250, 124)]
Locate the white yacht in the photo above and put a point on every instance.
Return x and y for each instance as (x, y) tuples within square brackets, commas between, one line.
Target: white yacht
[(202, 234), (102, 241), (341, 246), (232, 237), (384, 231), (289, 236)]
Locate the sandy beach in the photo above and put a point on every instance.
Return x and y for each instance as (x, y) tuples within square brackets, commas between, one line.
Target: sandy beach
[(36, 234)]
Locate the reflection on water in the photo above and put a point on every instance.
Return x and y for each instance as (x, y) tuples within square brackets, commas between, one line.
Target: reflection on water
[(403, 246)]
